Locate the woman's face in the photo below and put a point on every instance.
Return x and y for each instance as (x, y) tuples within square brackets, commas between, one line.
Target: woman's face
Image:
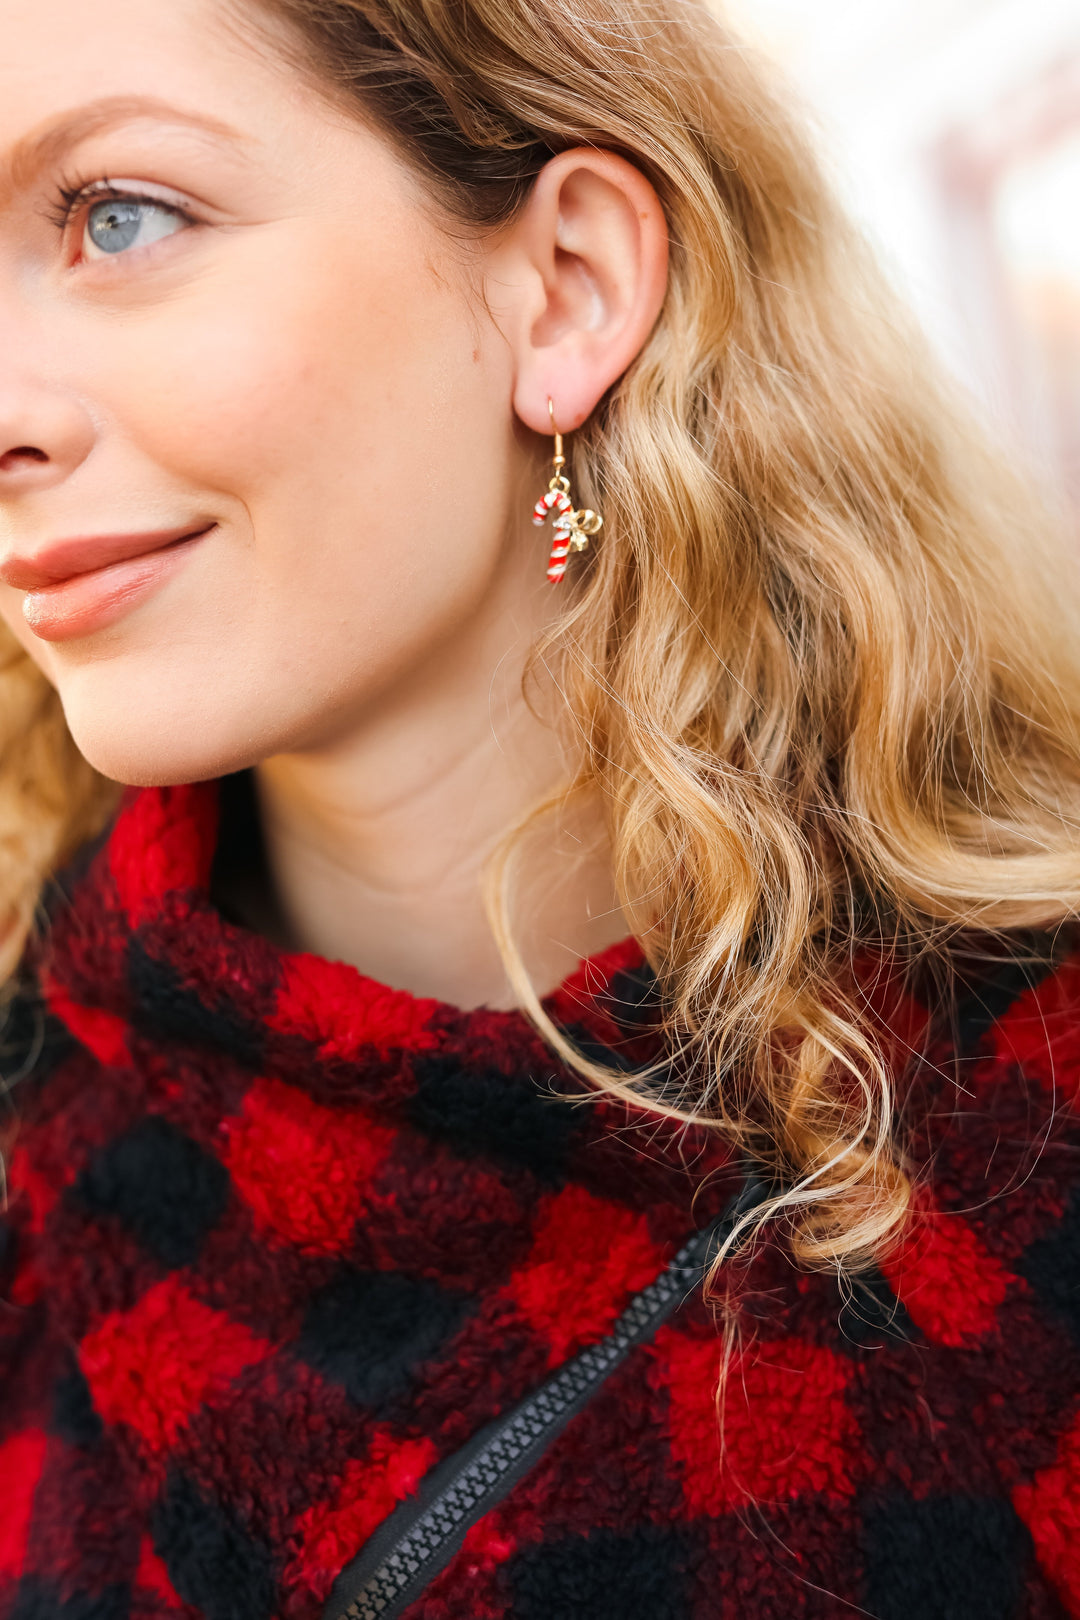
[(247, 385)]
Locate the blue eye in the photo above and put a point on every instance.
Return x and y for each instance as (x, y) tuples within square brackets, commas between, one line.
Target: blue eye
[(119, 223)]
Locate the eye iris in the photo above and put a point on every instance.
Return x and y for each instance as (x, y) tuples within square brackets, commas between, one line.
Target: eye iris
[(113, 225)]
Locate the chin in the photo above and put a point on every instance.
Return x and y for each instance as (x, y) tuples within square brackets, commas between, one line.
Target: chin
[(155, 745), (123, 761)]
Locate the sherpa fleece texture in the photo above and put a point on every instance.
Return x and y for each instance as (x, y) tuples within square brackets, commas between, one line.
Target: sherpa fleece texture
[(281, 1238)]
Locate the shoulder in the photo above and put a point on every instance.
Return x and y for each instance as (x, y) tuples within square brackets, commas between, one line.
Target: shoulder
[(990, 1121), (911, 1434), (1018, 1016), (990, 1134)]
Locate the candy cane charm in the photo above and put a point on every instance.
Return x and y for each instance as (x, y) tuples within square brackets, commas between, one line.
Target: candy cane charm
[(553, 497), (556, 498), (560, 547), (572, 529)]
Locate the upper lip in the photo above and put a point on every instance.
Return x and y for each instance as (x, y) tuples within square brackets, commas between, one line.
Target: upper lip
[(66, 559)]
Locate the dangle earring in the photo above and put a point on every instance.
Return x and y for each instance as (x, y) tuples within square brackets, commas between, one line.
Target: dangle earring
[(572, 529)]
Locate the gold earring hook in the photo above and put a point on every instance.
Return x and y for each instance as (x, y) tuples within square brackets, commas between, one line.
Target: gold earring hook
[(559, 458)]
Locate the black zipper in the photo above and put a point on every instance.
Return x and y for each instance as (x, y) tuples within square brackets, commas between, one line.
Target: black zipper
[(421, 1536)]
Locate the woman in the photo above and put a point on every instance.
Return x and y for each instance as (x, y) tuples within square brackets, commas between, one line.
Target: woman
[(476, 953)]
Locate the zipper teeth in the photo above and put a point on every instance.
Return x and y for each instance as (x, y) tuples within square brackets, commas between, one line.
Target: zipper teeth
[(538, 1416)]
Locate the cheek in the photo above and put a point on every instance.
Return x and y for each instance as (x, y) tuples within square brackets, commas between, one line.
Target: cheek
[(349, 459), (327, 407), (328, 391), (279, 351)]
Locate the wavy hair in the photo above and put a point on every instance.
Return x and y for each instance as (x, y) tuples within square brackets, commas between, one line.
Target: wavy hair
[(824, 668)]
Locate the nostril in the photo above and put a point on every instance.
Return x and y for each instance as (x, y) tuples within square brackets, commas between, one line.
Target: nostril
[(22, 452)]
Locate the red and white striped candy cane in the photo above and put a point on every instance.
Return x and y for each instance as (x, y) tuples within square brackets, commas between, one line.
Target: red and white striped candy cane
[(560, 541), (551, 498), (560, 547)]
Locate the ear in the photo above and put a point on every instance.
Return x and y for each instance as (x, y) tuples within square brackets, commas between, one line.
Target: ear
[(576, 283)]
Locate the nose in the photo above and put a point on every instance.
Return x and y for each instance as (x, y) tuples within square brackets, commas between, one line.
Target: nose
[(46, 431)]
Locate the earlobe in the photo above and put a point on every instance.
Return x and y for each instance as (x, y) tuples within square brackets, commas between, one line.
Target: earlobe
[(594, 241)]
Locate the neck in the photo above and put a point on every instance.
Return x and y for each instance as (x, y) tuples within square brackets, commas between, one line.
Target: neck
[(377, 842)]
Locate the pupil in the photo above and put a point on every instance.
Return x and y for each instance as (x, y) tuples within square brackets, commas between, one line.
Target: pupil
[(114, 226)]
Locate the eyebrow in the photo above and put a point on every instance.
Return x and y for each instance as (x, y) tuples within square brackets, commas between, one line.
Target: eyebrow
[(36, 152)]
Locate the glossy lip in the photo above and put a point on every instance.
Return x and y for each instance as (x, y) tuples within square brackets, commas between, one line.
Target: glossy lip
[(76, 587), (66, 559)]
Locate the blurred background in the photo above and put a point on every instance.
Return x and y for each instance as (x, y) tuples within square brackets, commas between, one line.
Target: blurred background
[(953, 129)]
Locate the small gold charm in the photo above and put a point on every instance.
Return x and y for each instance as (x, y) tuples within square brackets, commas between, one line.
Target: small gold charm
[(573, 530)]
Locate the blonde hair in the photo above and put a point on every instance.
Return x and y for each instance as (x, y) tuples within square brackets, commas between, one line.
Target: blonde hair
[(823, 666)]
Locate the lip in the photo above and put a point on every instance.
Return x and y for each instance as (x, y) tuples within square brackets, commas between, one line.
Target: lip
[(76, 587)]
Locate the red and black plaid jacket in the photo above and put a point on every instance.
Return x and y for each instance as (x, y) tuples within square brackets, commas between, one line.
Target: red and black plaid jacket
[(279, 1239)]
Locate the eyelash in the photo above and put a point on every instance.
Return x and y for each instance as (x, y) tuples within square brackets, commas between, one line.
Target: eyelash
[(69, 197)]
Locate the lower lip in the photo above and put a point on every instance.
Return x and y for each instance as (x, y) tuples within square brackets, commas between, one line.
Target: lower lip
[(88, 602)]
